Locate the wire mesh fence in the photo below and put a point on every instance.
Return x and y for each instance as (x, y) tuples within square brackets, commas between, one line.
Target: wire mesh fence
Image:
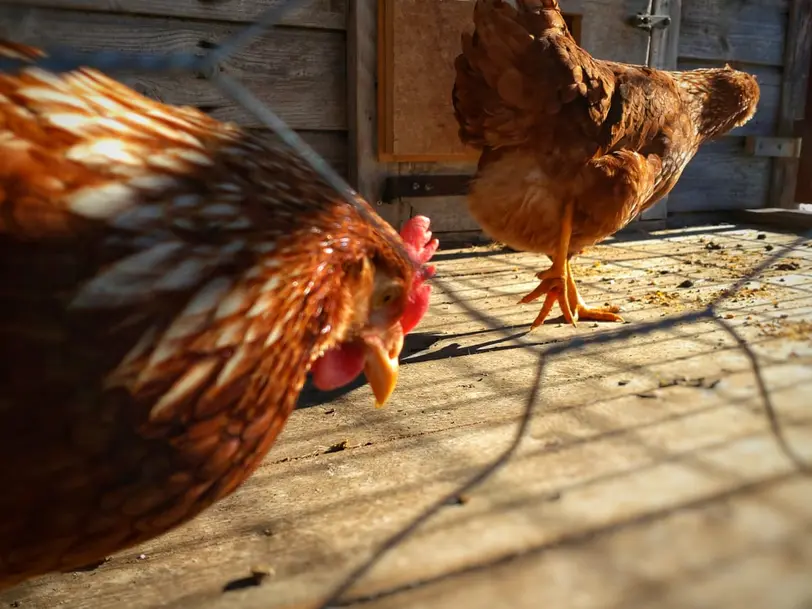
[(711, 309)]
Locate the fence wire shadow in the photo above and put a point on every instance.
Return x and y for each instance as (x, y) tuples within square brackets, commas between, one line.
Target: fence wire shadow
[(111, 62)]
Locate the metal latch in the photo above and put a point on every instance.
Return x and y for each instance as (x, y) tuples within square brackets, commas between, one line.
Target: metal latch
[(648, 22), (776, 147)]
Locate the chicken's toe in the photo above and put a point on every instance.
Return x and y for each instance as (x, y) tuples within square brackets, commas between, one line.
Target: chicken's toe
[(558, 295), (554, 288), (580, 311), (584, 313)]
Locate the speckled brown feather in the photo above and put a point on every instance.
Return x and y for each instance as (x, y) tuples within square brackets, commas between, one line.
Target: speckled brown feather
[(556, 125), (167, 280)]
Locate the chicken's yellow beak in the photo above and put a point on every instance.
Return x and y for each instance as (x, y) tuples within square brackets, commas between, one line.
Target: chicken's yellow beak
[(381, 366)]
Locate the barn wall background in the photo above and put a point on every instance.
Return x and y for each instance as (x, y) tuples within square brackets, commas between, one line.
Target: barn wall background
[(319, 73), (603, 32), (300, 70), (750, 35)]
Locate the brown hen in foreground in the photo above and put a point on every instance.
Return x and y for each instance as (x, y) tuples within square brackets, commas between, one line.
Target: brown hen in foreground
[(167, 282), (573, 148)]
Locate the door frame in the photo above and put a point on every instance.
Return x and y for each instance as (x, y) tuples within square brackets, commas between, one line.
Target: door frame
[(663, 55), (797, 56)]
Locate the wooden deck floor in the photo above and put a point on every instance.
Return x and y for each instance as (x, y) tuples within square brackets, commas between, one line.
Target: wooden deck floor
[(648, 476)]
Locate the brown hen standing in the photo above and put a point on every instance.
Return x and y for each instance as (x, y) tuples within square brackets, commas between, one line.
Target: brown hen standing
[(573, 148), (167, 282)]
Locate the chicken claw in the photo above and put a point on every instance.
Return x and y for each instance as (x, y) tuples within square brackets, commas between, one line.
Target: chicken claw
[(554, 281), (569, 300), (553, 284), (583, 313), (554, 288)]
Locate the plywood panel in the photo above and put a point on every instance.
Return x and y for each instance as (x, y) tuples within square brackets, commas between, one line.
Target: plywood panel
[(603, 32), (301, 73), (419, 41), (448, 214)]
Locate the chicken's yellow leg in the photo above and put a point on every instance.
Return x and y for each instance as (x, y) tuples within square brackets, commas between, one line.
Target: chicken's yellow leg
[(554, 280), (583, 313)]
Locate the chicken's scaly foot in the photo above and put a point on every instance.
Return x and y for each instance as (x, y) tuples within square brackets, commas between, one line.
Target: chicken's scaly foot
[(554, 280), (554, 288), (581, 312)]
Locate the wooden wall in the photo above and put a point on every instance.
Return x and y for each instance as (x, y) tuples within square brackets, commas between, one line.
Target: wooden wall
[(300, 70), (750, 35), (321, 77), (450, 214)]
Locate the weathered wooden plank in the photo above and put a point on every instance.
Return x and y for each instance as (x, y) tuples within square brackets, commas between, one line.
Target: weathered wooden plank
[(782, 219), (793, 91), (752, 31), (362, 48), (664, 51), (468, 238), (769, 80), (630, 489), (300, 73), (448, 214), (720, 177), (606, 34), (366, 172), (332, 145), (452, 222), (329, 14)]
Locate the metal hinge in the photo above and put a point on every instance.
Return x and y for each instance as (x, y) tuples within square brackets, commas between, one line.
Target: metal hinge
[(648, 23), (776, 147)]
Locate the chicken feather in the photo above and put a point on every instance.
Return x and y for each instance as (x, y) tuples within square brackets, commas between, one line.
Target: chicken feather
[(167, 282), (573, 148)]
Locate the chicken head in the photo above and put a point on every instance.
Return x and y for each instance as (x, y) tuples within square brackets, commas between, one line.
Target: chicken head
[(383, 314)]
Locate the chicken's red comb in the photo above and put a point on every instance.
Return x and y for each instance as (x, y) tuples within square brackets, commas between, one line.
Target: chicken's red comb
[(421, 247)]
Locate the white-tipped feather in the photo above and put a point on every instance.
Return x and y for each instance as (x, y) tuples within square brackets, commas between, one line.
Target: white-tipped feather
[(190, 382)]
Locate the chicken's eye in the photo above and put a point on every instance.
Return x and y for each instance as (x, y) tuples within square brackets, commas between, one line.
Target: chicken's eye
[(386, 296)]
